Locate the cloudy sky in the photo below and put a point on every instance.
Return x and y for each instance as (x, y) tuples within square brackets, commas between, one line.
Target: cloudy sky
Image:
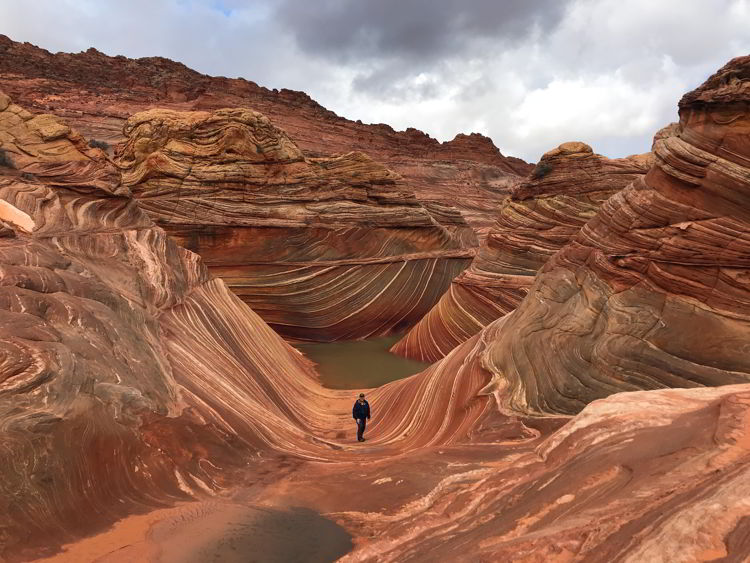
[(529, 73)]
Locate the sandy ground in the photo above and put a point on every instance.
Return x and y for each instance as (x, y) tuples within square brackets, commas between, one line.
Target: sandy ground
[(213, 532)]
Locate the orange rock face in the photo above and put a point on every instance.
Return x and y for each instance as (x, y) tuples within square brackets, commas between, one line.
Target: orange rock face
[(97, 93), (543, 213), (655, 289), (647, 476), (117, 349), (323, 249)]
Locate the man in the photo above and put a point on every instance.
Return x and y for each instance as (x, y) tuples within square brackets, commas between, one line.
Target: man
[(360, 412)]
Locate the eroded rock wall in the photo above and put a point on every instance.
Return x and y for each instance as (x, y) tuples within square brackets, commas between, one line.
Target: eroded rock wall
[(655, 289), (323, 248), (544, 212)]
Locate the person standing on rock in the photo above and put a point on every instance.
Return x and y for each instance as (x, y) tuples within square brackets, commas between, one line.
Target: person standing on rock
[(361, 413)]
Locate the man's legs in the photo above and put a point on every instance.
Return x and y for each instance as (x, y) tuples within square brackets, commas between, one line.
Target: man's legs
[(360, 429)]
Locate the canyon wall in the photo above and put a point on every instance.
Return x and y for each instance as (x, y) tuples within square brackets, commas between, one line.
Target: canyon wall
[(654, 291), (129, 377), (542, 214), (322, 248), (96, 94)]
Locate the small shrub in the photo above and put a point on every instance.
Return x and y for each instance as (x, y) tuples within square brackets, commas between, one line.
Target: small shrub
[(6, 160), (104, 145), (27, 176), (541, 170)]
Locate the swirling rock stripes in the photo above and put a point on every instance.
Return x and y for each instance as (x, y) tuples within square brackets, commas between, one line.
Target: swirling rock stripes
[(131, 379), (654, 291), (322, 248), (543, 213)]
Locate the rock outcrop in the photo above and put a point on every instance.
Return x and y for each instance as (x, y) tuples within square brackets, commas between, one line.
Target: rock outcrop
[(544, 212), (648, 476), (129, 377), (655, 289), (323, 249), (96, 94)]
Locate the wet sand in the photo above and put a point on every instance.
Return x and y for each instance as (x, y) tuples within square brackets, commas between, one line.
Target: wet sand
[(203, 532), (359, 364)]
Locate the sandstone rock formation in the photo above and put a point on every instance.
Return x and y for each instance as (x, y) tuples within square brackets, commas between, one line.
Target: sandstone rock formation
[(655, 289), (543, 213), (128, 377), (323, 249), (97, 93), (647, 476)]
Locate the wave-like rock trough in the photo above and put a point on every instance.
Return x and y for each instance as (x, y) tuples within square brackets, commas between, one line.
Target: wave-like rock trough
[(132, 378), (323, 249), (541, 215)]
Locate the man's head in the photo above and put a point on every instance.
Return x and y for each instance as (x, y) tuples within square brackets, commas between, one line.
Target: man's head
[(361, 397)]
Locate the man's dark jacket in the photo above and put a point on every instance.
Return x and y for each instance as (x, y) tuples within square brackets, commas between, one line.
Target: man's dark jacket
[(361, 410)]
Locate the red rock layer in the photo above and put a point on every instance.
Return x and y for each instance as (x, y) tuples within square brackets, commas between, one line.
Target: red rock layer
[(97, 93), (655, 289), (543, 213), (99, 411), (129, 378), (323, 249)]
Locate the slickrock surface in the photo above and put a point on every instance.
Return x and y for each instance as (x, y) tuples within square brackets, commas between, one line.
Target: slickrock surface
[(128, 377), (543, 213), (97, 94), (648, 476), (655, 289), (323, 249)]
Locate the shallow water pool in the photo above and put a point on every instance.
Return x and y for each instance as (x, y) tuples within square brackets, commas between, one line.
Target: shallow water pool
[(357, 364)]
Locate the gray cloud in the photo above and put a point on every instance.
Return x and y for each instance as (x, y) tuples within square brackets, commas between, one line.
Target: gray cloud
[(417, 30)]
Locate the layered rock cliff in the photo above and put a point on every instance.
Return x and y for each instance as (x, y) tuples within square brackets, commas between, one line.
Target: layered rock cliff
[(544, 212), (97, 93), (655, 289), (323, 249), (129, 378)]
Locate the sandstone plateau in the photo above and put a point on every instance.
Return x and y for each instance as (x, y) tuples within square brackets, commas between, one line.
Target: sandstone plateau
[(97, 94), (542, 214), (321, 248), (132, 379)]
